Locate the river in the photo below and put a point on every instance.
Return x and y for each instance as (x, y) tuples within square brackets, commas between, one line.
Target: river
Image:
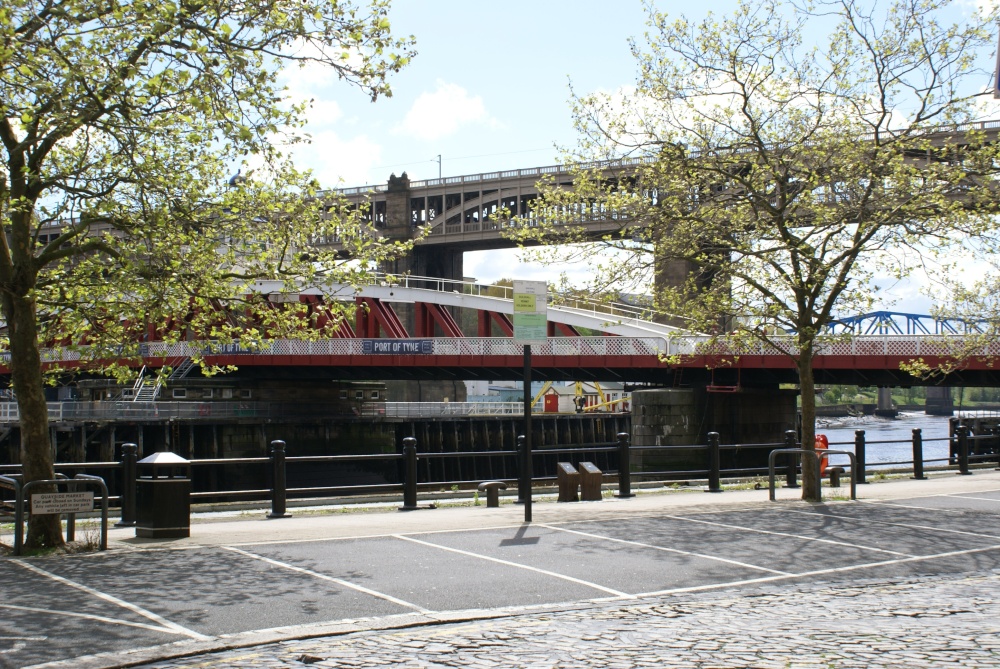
[(934, 430)]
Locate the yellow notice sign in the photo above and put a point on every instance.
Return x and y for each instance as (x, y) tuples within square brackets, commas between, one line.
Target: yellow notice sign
[(525, 303)]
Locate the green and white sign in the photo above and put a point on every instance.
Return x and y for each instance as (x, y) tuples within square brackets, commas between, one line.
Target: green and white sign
[(530, 322)]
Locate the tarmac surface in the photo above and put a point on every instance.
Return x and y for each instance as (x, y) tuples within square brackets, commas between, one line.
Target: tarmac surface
[(904, 577)]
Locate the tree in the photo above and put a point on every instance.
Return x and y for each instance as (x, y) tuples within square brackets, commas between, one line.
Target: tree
[(121, 123), (783, 178)]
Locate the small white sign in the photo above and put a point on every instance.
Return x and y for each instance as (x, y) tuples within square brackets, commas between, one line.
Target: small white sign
[(62, 502)]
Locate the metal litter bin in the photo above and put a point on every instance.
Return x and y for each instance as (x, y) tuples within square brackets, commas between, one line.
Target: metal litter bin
[(163, 497)]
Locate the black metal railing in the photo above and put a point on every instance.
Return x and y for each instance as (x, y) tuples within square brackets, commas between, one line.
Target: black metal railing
[(411, 470)]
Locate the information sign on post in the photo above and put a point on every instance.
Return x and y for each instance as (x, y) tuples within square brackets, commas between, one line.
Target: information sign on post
[(530, 324), (530, 327)]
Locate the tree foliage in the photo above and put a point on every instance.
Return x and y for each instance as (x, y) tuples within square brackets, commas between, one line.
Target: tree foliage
[(121, 124), (769, 183)]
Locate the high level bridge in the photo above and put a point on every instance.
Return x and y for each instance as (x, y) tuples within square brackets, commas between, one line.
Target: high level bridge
[(460, 210)]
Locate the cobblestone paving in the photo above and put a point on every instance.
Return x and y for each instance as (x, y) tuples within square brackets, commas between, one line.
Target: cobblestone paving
[(938, 622)]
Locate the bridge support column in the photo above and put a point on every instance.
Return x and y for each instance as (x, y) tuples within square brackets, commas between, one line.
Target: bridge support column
[(678, 274), (436, 262), (884, 408), (681, 418), (939, 402)]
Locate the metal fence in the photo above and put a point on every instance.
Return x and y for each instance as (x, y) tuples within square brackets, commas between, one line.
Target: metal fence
[(402, 474)]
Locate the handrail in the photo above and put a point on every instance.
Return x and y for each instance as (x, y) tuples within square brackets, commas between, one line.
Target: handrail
[(819, 476), (21, 491), (712, 471), (861, 346), (615, 163)]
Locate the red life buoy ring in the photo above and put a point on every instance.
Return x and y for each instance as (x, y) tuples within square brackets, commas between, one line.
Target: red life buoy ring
[(822, 444)]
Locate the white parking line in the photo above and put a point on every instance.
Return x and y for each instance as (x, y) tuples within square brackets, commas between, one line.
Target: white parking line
[(325, 577), (166, 625), (518, 565), (743, 528), (819, 572), (789, 535), (668, 550), (978, 499), (910, 526), (87, 616)]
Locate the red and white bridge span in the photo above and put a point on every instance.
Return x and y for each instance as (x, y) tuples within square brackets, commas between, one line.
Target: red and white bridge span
[(629, 347)]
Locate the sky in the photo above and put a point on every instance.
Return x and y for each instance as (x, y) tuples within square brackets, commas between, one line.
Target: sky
[(488, 90)]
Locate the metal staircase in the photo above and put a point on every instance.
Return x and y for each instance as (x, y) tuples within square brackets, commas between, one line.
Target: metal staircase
[(148, 389), (181, 369)]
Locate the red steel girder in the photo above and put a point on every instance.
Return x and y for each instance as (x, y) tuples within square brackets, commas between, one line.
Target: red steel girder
[(375, 317), (566, 330), (428, 315), (486, 318)]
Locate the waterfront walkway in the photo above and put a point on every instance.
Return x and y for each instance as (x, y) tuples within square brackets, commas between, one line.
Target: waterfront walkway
[(905, 577)]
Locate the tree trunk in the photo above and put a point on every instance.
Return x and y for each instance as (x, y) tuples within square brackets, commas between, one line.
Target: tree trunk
[(807, 392), (36, 450)]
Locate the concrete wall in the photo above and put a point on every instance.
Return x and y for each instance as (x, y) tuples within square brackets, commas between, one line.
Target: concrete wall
[(682, 417)]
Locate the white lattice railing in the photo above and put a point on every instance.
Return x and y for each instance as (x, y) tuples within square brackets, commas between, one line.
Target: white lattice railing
[(858, 346), (861, 346)]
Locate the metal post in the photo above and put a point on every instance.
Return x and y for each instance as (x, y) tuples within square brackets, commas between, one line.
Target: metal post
[(410, 474), (129, 458), (528, 474), (918, 454), (278, 487), (624, 466), (996, 433), (18, 517), (790, 472), (714, 465), (963, 449), (71, 517), (519, 448), (859, 455)]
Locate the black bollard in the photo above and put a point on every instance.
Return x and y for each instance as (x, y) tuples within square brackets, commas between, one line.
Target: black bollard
[(918, 454), (952, 441), (793, 460), (129, 458), (714, 463), (859, 455), (279, 490), (624, 466), (963, 450), (410, 474)]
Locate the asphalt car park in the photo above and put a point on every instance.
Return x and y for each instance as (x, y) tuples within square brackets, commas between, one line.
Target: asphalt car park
[(54, 609)]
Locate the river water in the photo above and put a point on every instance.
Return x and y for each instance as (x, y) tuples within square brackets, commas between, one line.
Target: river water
[(899, 431)]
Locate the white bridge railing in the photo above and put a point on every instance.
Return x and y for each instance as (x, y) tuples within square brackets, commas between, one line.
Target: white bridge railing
[(857, 346), (614, 164)]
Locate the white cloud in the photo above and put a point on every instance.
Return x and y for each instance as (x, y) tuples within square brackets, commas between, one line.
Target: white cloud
[(443, 112), (336, 161), (323, 113)]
